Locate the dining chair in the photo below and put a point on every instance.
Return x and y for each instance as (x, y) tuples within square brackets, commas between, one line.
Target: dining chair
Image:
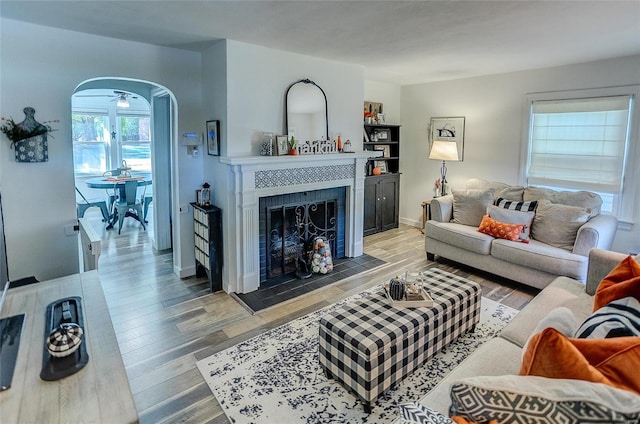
[(84, 204), (128, 204), (146, 198)]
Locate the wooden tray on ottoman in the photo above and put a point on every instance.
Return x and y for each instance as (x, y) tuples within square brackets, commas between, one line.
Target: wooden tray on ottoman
[(421, 300)]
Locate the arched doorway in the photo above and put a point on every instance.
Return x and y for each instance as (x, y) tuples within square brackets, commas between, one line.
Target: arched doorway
[(150, 107)]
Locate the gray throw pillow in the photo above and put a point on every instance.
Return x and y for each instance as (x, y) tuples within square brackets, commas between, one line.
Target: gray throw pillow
[(513, 217), (558, 225), (581, 199), (469, 206)]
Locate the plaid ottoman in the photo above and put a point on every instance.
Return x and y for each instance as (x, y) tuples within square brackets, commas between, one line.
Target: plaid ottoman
[(368, 345)]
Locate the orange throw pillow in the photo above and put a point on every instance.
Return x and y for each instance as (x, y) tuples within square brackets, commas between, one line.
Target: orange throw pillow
[(500, 229), (623, 281), (612, 361)]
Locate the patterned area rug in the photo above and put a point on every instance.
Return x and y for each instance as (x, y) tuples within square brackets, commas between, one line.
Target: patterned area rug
[(275, 377)]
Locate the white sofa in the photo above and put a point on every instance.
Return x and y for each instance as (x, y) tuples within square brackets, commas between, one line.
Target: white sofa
[(497, 362), (535, 263)]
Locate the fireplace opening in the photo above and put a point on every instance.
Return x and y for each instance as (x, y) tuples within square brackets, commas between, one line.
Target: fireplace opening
[(292, 230), (291, 223)]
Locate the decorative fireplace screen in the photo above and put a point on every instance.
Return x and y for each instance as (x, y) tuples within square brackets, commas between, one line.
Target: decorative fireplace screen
[(291, 230)]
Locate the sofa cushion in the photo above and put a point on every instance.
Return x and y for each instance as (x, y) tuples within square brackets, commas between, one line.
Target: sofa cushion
[(458, 235), (620, 318), (609, 361), (481, 362), (562, 291), (582, 199), (524, 218), (469, 206), (622, 281), (503, 190), (558, 225), (519, 399), (499, 229), (541, 256)]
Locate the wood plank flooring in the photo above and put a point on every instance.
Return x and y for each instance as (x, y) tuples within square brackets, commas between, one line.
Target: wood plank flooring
[(165, 324)]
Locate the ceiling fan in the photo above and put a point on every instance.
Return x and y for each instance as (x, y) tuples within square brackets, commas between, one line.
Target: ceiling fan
[(122, 97)]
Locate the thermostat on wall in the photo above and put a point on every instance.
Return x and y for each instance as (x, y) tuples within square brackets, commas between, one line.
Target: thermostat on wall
[(192, 139)]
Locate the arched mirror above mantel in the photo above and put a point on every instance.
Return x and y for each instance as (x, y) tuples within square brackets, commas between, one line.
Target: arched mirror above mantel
[(306, 111)]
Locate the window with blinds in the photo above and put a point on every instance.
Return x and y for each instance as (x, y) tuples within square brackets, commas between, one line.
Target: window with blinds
[(580, 144)]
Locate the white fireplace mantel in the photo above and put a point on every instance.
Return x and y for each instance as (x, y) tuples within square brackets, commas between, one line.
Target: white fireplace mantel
[(253, 177)]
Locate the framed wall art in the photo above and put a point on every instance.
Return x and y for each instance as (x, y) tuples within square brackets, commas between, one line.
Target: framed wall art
[(381, 134), (282, 145), (385, 148), (213, 138), (448, 129), (382, 165)]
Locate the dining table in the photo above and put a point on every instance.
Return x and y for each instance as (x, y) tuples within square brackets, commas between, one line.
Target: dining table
[(117, 184)]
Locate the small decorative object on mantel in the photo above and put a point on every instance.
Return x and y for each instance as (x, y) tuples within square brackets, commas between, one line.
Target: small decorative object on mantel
[(293, 144), (317, 147), (29, 137)]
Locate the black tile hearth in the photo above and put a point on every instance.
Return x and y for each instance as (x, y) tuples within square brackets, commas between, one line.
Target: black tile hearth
[(287, 287)]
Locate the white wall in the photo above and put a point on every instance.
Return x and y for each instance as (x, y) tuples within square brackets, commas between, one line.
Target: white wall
[(493, 107), (40, 67), (256, 81), (387, 94)]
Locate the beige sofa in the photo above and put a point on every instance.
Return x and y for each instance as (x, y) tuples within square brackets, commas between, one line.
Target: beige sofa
[(501, 356), (536, 263)]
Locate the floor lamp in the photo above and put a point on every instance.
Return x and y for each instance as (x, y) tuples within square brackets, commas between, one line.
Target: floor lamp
[(444, 150)]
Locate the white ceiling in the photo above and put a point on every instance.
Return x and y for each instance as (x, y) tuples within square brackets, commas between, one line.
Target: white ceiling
[(403, 42)]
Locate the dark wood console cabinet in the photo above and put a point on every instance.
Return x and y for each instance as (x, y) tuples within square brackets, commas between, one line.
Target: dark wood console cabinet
[(207, 226)]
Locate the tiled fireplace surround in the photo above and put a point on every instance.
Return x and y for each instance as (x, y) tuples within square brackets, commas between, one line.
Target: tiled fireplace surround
[(253, 177)]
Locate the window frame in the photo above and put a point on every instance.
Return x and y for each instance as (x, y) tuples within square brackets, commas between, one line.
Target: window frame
[(631, 174), (108, 144)]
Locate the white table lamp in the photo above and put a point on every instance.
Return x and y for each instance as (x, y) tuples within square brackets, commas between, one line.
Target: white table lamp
[(444, 150)]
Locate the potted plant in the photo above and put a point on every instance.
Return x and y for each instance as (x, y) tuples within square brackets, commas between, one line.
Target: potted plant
[(293, 144)]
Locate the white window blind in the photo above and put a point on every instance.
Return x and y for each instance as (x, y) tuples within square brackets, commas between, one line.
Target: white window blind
[(579, 143)]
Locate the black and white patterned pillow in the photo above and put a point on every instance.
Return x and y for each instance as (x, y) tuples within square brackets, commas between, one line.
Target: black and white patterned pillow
[(620, 318), (528, 206), (417, 413), (529, 399)]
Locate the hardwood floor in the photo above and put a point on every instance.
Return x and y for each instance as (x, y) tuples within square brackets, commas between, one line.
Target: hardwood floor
[(165, 324)]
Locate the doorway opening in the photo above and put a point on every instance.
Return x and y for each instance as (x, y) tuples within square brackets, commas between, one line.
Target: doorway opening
[(123, 128)]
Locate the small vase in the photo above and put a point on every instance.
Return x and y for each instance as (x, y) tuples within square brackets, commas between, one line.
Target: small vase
[(293, 151)]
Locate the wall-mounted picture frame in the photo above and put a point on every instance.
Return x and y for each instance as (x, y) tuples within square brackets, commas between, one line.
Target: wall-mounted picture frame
[(382, 165), (282, 145), (385, 148), (448, 129), (213, 138), (382, 134)]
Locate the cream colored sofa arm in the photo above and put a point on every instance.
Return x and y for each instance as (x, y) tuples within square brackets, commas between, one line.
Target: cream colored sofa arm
[(598, 233), (601, 262), (442, 208)]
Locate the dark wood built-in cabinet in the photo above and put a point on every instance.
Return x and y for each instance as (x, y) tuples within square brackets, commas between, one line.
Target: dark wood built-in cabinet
[(381, 203), (207, 226), (382, 192)]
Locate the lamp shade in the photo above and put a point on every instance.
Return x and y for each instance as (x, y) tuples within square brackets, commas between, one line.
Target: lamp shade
[(444, 150)]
